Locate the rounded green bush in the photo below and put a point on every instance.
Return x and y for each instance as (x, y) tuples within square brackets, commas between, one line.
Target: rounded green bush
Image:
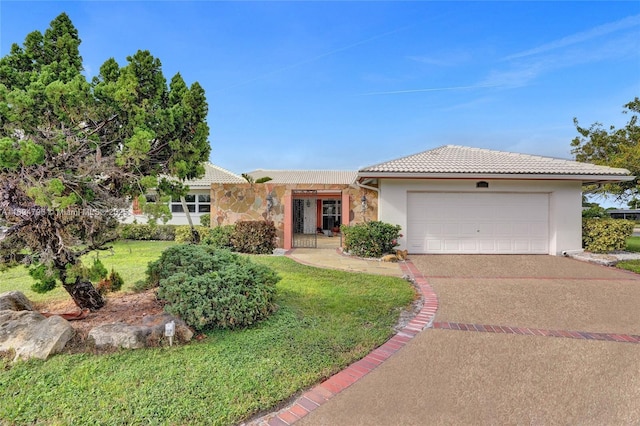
[(219, 237), (605, 235), (214, 288), (188, 258), (370, 239)]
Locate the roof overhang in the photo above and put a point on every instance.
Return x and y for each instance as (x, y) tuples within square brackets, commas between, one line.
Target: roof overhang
[(362, 176)]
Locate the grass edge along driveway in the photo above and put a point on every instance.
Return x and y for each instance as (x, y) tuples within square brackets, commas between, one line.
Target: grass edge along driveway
[(326, 320)]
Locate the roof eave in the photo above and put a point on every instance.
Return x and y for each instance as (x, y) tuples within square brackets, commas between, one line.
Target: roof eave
[(511, 176)]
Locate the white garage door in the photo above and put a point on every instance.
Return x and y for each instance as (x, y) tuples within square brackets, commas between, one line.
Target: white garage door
[(478, 223)]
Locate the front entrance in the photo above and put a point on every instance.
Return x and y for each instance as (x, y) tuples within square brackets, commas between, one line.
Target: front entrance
[(305, 233), (316, 219)]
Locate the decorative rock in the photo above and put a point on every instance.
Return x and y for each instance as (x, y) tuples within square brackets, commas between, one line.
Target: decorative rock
[(119, 335), (14, 301), (150, 333), (183, 333), (31, 335)]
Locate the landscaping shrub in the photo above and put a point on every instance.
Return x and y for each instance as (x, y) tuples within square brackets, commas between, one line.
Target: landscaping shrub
[(44, 282), (190, 259), (205, 220), (111, 283), (184, 234), (213, 288), (97, 271), (593, 212), (219, 237), (605, 235), (254, 237), (370, 239), (146, 232)]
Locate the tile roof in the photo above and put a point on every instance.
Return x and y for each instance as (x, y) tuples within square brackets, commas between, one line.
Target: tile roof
[(453, 159), (215, 174), (327, 177)]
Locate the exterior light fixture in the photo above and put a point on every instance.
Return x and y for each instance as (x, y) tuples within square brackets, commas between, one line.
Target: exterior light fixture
[(308, 203), (170, 331), (363, 202), (269, 203)]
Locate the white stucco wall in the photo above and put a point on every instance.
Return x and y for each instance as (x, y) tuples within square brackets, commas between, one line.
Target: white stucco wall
[(565, 204)]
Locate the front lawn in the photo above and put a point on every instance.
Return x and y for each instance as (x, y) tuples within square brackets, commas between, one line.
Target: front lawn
[(633, 244), (129, 258), (629, 265), (326, 320)]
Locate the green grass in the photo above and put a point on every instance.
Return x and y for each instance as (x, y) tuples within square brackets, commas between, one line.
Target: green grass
[(129, 258), (326, 320), (629, 265), (633, 244)]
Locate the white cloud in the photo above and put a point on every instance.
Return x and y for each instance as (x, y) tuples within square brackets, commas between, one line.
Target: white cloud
[(599, 31)]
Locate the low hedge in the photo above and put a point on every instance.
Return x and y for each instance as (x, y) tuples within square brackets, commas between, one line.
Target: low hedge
[(600, 235), (219, 237), (254, 237), (370, 239), (184, 234), (145, 232)]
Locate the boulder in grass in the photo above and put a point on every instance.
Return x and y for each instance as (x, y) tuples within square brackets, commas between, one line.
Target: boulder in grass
[(119, 335), (150, 333), (32, 335), (14, 301)]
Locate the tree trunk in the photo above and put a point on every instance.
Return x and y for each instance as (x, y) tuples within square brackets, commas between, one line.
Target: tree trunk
[(85, 295), (195, 236)]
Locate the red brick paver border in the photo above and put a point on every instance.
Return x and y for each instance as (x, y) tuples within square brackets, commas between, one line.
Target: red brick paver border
[(484, 328), (326, 390)]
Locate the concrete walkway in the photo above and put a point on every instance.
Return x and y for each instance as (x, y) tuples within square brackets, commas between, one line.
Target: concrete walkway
[(331, 258)]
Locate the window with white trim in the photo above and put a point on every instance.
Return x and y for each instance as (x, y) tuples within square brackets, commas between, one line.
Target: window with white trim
[(200, 203)]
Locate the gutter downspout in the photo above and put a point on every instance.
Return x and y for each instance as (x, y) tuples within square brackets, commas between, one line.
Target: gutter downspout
[(372, 188)]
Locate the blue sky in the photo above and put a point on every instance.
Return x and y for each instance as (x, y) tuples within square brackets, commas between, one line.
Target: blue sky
[(343, 85)]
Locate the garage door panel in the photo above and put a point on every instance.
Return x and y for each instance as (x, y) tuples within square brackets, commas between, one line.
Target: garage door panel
[(504, 246), (538, 228), (521, 245), (505, 229), (467, 229), (486, 229), (433, 245), (435, 229), (483, 211), (522, 229), (487, 246), (452, 245), (478, 223)]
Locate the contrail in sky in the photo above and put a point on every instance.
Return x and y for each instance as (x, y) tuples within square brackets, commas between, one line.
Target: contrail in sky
[(431, 89), (628, 22), (313, 59)]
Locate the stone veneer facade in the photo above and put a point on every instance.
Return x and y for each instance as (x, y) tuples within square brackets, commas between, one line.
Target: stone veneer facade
[(233, 202)]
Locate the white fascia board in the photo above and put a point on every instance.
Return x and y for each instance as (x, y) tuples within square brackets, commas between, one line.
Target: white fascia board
[(516, 176)]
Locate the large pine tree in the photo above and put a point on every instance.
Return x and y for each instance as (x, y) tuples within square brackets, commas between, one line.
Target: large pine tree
[(73, 153)]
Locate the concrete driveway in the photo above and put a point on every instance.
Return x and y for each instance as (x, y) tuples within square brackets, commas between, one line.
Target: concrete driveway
[(548, 346)]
